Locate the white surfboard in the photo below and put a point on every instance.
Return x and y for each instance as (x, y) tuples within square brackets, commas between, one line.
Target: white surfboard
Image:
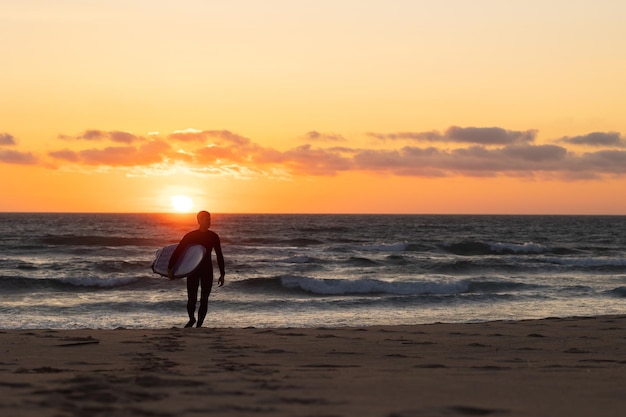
[(186, 264)]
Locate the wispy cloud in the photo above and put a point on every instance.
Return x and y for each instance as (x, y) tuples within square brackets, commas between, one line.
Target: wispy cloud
[(473, 135), (12, 156), (19, 158), (315, 136), (603, 139), (477, 152), (203, 136), (516, 160), (149, 152), (101, 135), (6, 139)]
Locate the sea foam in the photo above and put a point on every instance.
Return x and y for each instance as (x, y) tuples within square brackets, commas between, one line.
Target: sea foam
[(372, 286)]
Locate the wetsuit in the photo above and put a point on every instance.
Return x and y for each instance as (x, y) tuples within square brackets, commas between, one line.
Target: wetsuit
[(202, 276)]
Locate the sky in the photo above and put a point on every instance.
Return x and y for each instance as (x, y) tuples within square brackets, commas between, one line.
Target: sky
[(325, 106)]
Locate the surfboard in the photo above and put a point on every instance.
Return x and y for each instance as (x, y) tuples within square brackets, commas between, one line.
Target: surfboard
[(186, 264)]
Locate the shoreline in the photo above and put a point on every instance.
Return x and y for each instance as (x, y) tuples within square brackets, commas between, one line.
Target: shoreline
[(554, 366)]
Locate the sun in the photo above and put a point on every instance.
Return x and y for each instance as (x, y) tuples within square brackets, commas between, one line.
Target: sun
[(181, 203)]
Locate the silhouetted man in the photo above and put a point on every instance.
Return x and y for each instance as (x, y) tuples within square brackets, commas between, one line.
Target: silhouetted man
[(203, 275)]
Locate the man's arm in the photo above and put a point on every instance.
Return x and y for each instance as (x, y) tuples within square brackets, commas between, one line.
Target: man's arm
[(175, 255), (220, 261)]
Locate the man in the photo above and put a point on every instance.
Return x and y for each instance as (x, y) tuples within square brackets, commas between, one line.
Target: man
[(202, 276)]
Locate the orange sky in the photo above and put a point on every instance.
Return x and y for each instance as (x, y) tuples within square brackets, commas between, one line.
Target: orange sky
[(314, 106)]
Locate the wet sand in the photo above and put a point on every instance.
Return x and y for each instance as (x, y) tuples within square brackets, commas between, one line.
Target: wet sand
[(550, 367)]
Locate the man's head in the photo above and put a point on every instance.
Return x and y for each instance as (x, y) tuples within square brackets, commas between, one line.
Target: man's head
[(204, 219)]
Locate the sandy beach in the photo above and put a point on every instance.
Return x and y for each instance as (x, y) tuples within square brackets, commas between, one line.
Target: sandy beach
[(550, 367)]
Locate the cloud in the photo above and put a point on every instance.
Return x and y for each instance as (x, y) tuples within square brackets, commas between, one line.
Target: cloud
[(315, 161), (65, 155), (6, 139), (13, 156), (301, 160), (512, 160), (220, 154), (19, 158), (534, 154), (608, 161), (315, 136), (489, 135), (480, 152), (473, 135), (193, 135), (101, 135), (411, 161), (145, 154), (603, 139)]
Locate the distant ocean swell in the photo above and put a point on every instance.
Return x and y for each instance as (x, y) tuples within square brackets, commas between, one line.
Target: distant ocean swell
[(99, 241), (462, 248), (24, 285)]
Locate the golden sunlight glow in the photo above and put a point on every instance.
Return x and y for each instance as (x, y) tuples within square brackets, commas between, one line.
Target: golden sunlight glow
[(181, 203)]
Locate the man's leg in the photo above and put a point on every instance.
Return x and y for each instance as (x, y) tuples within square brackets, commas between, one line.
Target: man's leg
[(207, 284), (192, 296)]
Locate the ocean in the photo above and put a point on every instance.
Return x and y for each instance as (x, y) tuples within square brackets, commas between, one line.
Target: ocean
[(66, 271)]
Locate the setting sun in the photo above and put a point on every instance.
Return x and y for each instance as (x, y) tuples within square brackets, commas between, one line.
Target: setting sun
[(181, 203)]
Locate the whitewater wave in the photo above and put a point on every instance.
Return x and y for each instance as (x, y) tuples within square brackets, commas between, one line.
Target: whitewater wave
[(336, 287), (528, 247), (386, 247), (473, 248), (298, 259), (371, 286)]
